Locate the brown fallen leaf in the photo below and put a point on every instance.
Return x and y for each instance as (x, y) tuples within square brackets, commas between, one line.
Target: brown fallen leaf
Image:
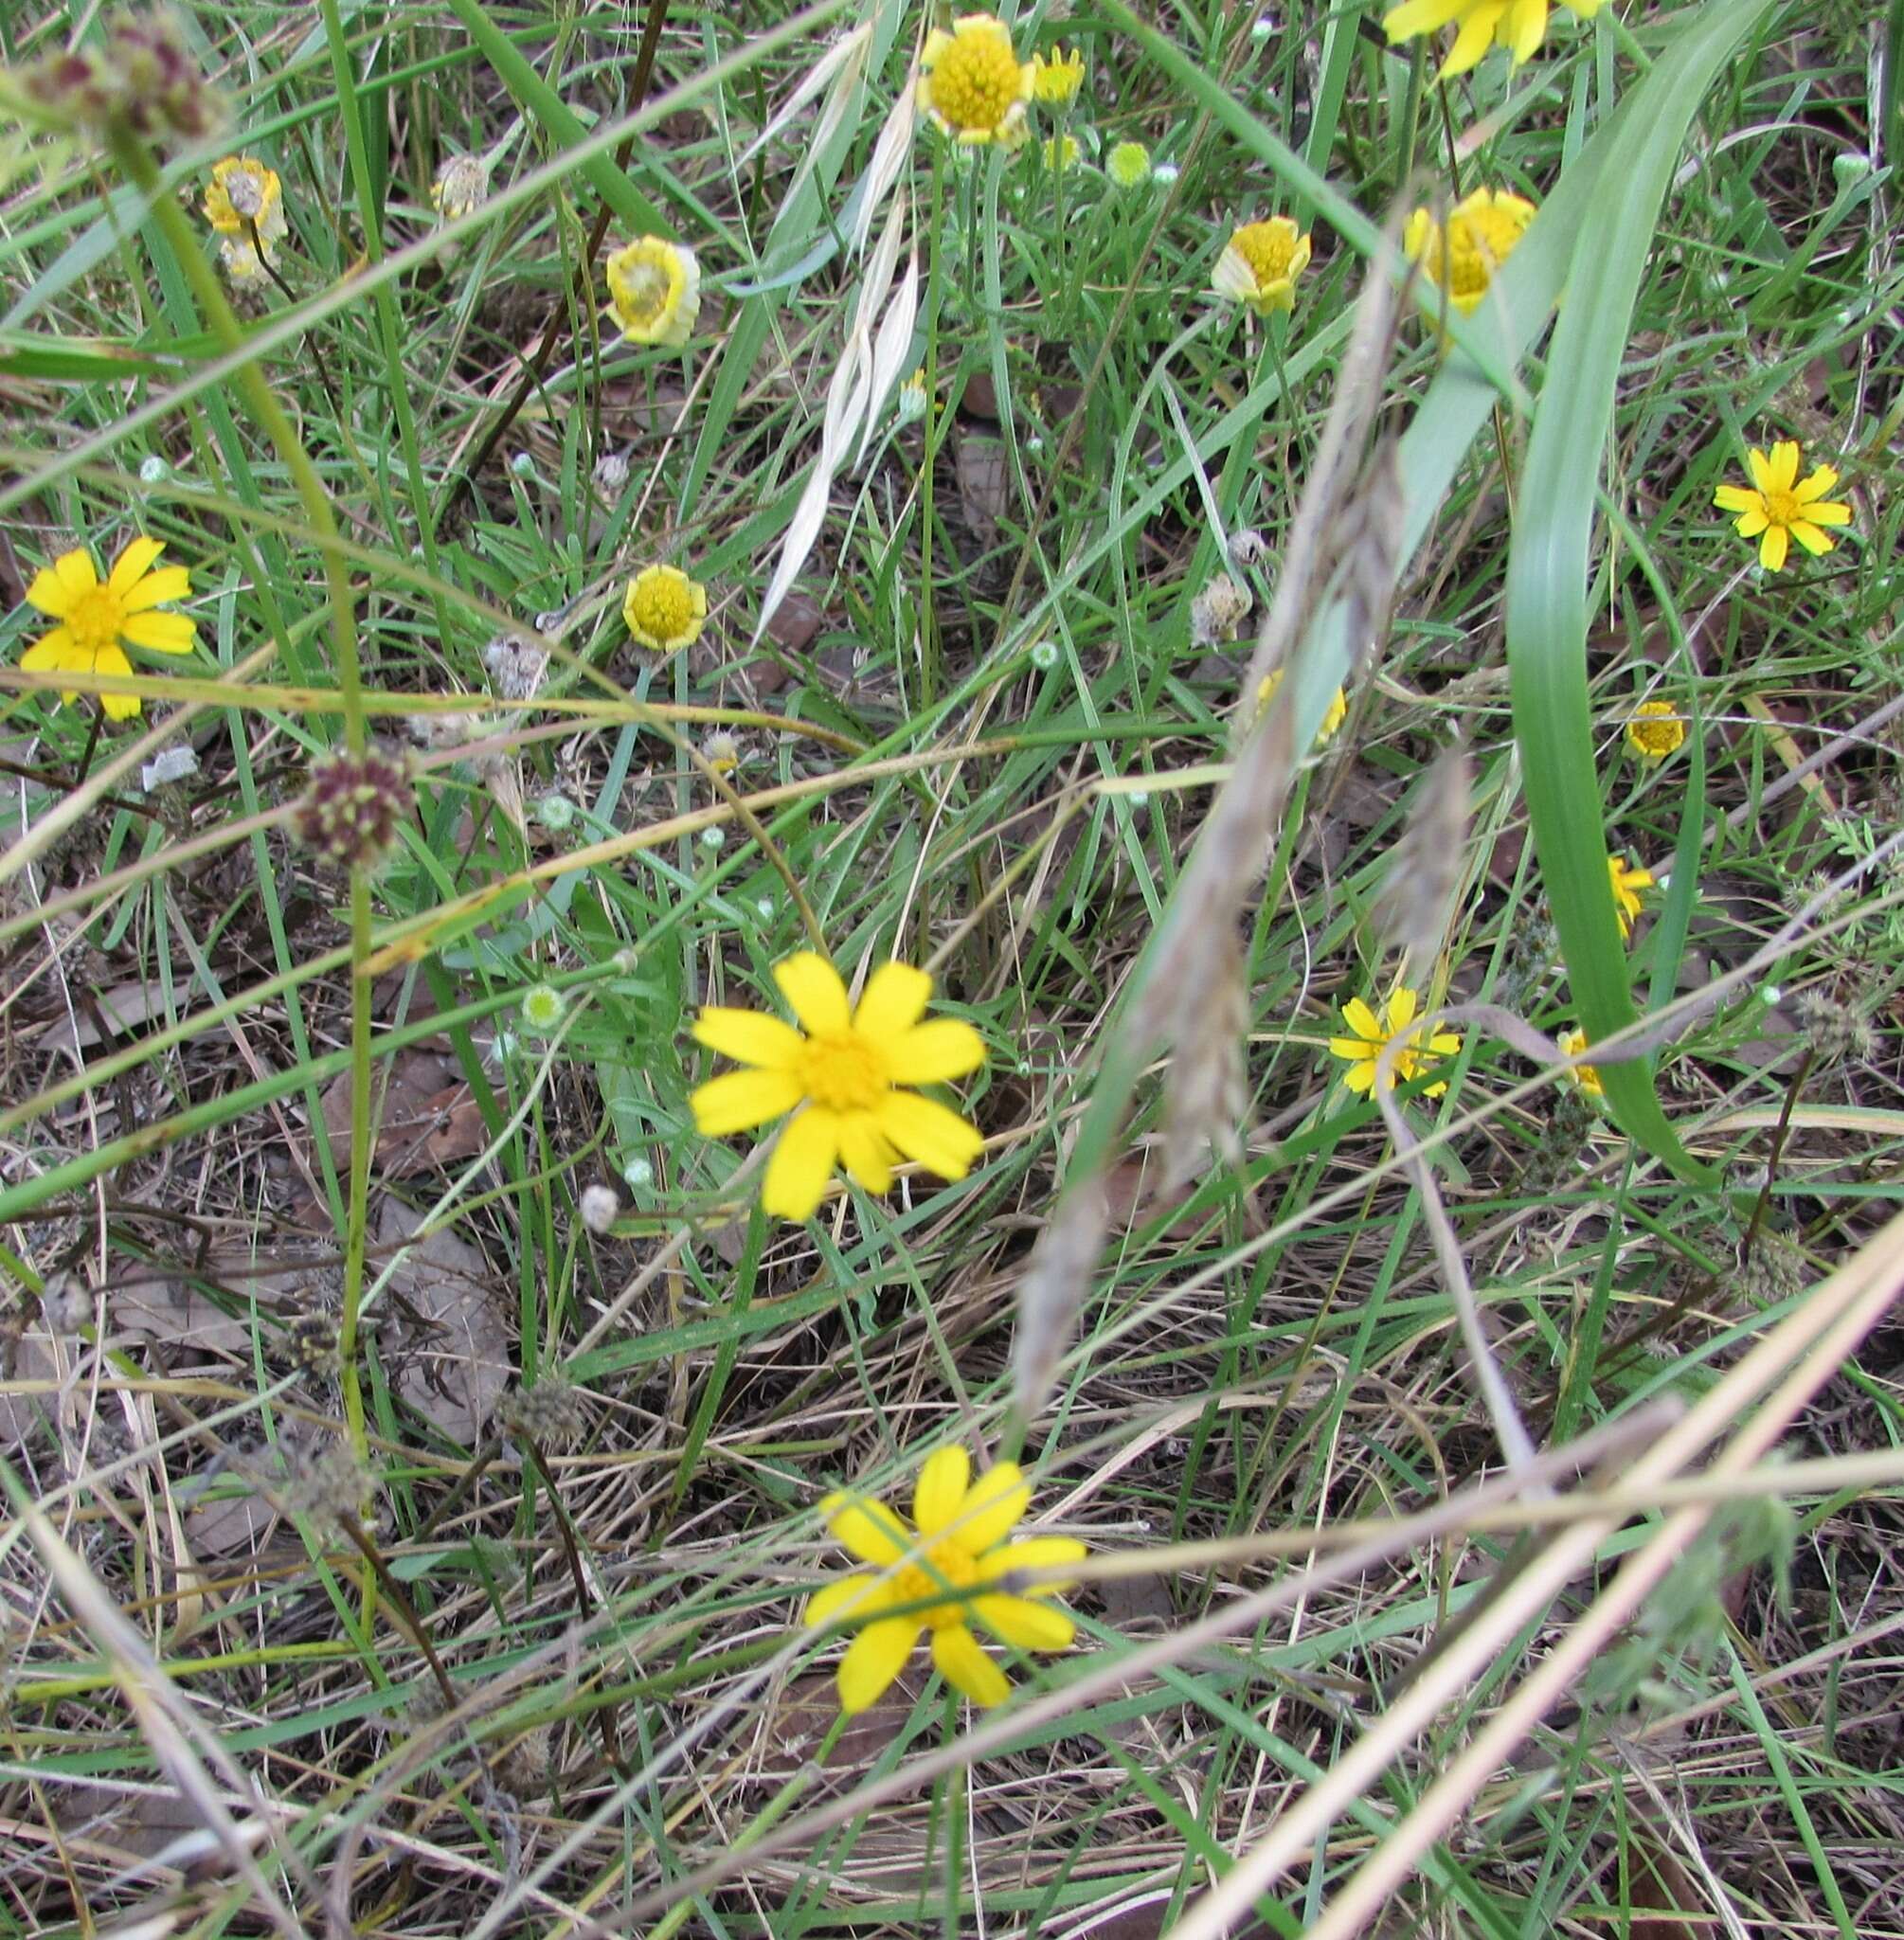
[(430, 1118), (441, 1327)]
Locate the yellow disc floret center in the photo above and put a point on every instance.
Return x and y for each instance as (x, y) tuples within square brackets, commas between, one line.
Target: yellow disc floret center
[(1266, 249), (1781, 507), (842, 1072), (94, 619), (664, 606), (643, 290), (946, 1572), (975, 81), (1478, 245)]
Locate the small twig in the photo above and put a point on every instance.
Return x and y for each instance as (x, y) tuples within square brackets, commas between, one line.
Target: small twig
[(1793, 1093)]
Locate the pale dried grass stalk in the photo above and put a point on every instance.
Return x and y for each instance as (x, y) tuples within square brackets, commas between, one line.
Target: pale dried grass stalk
[(1207, 1087), (1412, 911), (1051, 1292)]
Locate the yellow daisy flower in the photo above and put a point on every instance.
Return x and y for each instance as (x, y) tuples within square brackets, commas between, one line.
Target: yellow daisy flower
[(1519, 25), (1482, 229), (1572, 1044), (1057, 76), (973, 85), (1061, 151), (964, 1570), (1782, 506), (847, 1071), (664, 608), (1373, 1035), (1656, 730), (655, 290), (1626, 885), (1260, 264), (96, 616), (1336, 713)]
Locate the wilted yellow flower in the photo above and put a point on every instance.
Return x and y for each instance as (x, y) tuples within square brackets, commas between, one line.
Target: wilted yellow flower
[(461, 184), (1373, 1035), (1656, 730), (971, 83), (1057, 76), (1337, 710), (721, 752), (913, 400), (1260, 264), (847, 1071), (245, 192), (96, 616), (1518, 25), (1572, 1044), (1128, 165), (655, 290), (664, 608), (1782, 506), (1482, 229), (964, 1568), (1626, 883), (1060, 152)]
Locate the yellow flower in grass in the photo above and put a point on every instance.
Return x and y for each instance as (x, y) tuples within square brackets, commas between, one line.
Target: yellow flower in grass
[(664, 608), (845, 1068), (1336, 713), (1061, 151), (973, 85), (100, 618), (1519, 25), (1626, 883), (1656, 730), (245, 192), (1260, 264), (655, 290), (1482, 232), (1373, 1035), (1572, 1044), (1779, 506), (964, 1569), (1057, 76), (1128, 164)]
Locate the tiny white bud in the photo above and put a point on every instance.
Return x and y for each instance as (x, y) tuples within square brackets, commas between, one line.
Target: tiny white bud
[(611, 471), (1139, 797), (153, 470), (712, 838), (1850, 167), (555, 811), (765, 907), (1165, 172), (638, 1175), (598, 1208), (523, 465), (1035, 443), (1772, 994), (542, 1007), (1263, 29), (1044, 656)]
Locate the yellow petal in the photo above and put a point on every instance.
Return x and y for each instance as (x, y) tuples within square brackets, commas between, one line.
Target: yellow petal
[(160, 633), (1361, 1077), (1773, 548), (78, 574), (118, 706), (742, 1100), (1526, 24), (1471, 41), (1401, 1011), (1821, 481), (939, 1492), (1031, 1553), (48, 593), (858, 1595), (894, 999), (1736, 498), (1025, 1624), (168, 583), (749, 1037), (1361, 1020), (1785, 464), (1753, 522), (994, 1506), (927, 1131), (865, 1152), (812, 987), (932, 1053), (1353, 1048), (802, 1164), (966, 1668), (1415, 17), (56, 652), (1760, 468), (874, 1659), (135, 555), (1811, 538), (1829, 514), (866, 1528)]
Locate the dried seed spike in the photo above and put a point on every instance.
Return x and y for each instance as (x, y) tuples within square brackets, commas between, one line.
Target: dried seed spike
[(1204, 1085), (1368, 532), (1411, 913), (1051, 1292)]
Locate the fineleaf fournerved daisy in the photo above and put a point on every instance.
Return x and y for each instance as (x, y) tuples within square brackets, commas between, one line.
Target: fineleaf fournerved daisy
[(1260, 264), (1462, 256), (845, 1072), (664, 608), (964, 1570), (1572, 1044), (1373, 1035), (1779, 506), (1057, 76), (1626, 883), (96, 616), (1519, 25), (1656, 730), (973, 85), (655, 290)]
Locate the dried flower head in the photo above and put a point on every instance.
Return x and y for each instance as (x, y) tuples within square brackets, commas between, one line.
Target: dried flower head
[(552, 1413), (1779, 506), (329, 1489), (1217, 613), (99, 619), (1775, 1270), (311, 1341), (1834, 1033), (1480, 234), (611, 473), (966, 1567), (973, 85), (516, 666), (848, 1073), (142, 77), (462, 185), (655, 290), (1128, 165), (720, 751), (664, 608), (1519, 25), (1246, 548), (600, 1207), (1057, 76), (354, 805), (243, 194), (1260, 264), (1656, 730)]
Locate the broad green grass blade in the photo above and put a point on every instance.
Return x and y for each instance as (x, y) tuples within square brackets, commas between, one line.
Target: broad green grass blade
[(1546, 574)]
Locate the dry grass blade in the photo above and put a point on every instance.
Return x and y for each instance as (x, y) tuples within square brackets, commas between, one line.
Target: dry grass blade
[(1410, 912)]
